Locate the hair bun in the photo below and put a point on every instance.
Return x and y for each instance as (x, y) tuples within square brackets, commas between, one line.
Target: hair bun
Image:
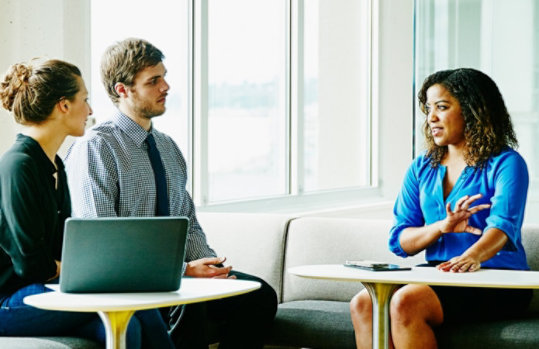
[(15, 80)]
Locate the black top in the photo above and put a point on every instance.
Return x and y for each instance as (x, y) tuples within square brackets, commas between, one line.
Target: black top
[(32, 215)]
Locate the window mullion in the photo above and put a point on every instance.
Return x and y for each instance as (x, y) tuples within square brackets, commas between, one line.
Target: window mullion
[(199, 66), (296, 78)]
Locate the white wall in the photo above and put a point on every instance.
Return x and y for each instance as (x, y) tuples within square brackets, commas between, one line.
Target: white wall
[(42, 28)]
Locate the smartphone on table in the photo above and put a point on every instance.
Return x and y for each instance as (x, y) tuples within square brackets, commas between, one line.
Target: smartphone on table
[(374, 265)]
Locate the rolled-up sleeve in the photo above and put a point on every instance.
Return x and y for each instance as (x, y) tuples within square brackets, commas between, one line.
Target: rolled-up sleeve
[(407, 210), (510, 175)]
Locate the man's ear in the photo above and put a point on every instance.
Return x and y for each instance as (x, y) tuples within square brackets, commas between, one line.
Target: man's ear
[(121, 89)]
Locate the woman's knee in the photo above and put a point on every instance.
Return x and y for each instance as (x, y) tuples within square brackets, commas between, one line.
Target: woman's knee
[(415, 303), (16, 299), (134, 333), (361, 305)]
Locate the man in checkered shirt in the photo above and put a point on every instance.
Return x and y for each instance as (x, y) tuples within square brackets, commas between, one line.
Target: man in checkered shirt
[(110, 174)]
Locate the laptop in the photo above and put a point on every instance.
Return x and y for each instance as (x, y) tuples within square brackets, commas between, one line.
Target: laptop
[(123, 254)]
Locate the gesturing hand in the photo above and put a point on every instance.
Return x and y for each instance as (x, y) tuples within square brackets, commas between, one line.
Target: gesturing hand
[(456, 221), (207, 267)]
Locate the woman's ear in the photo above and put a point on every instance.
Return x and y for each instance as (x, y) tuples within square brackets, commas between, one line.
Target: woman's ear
[(63, 105)]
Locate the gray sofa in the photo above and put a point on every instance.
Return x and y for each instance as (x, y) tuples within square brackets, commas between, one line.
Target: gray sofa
[(315, 313), (47, 343)]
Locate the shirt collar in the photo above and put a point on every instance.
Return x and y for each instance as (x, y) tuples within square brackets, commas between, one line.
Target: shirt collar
[(43, 159), (131, 128)]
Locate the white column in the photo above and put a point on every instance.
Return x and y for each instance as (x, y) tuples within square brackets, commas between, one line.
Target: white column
[(42, 28)]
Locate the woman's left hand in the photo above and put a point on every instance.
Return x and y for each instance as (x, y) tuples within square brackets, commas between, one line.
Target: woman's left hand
[(460, 264)]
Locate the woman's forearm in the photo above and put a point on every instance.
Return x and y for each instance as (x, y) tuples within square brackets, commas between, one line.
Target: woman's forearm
[(415, 239), (490, 243)]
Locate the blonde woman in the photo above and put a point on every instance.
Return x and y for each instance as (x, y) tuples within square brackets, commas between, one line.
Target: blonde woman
[(50, 100)]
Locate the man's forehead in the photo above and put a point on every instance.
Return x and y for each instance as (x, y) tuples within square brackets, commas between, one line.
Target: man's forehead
[(151, 71)]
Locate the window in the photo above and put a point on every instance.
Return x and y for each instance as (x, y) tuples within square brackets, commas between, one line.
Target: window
[(269, 99), (247, 114), (500, 38), (163, 25), (336, 95)]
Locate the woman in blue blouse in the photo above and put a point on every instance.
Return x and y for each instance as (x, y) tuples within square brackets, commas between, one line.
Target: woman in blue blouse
[(462, 201)]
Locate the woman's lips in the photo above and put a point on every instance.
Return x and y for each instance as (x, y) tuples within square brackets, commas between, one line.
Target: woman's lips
[(436, 131)]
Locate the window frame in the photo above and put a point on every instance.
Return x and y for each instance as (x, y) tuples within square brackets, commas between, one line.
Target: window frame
[(296, 197)]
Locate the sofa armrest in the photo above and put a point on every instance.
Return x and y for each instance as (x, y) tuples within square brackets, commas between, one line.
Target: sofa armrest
[(252, 243)]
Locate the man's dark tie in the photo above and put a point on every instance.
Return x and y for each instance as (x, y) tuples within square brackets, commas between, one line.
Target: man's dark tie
[(161, 202)]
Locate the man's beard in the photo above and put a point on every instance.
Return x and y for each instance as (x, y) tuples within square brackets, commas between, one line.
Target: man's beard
[(148, 111)]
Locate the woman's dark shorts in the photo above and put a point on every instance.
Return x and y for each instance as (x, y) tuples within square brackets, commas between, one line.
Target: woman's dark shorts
[(464, 304)]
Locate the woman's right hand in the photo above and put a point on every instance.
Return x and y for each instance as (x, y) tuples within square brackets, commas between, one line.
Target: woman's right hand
[(58, 267), (456, 220)]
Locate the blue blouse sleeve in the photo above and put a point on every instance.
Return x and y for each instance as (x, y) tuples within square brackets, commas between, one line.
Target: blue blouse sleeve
[(510, 176), (407, 209)]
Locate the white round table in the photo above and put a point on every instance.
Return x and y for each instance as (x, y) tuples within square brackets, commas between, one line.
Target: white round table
[(116, 309), (382, 284)]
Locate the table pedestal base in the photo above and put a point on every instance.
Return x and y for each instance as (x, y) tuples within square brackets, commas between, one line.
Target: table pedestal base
[(380, 296), (115, 327)]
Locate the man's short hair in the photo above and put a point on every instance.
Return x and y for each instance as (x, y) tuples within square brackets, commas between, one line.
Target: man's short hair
[(122, 61)]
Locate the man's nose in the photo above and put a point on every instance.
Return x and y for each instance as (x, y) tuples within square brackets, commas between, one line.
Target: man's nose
[(165, 86)]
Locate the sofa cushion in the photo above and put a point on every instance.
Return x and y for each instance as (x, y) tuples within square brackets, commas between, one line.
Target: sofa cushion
[(252, 243), (514, 333), (313, 324), (315, 240), (530, 240), (47, 343)]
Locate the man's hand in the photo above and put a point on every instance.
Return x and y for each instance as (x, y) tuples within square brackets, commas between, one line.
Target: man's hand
[(456, 221), (207, 268)]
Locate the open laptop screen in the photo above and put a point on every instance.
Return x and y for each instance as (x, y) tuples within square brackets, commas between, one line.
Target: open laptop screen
[(123, 254)]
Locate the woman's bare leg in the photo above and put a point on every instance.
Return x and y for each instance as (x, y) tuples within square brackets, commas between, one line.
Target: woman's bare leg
[(361, 312), (414, 310)]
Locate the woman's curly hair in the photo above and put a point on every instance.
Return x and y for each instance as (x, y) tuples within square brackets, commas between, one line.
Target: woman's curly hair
[(488, 128)]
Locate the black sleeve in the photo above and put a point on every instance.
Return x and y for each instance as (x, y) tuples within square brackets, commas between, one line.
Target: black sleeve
[(25, 228)]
